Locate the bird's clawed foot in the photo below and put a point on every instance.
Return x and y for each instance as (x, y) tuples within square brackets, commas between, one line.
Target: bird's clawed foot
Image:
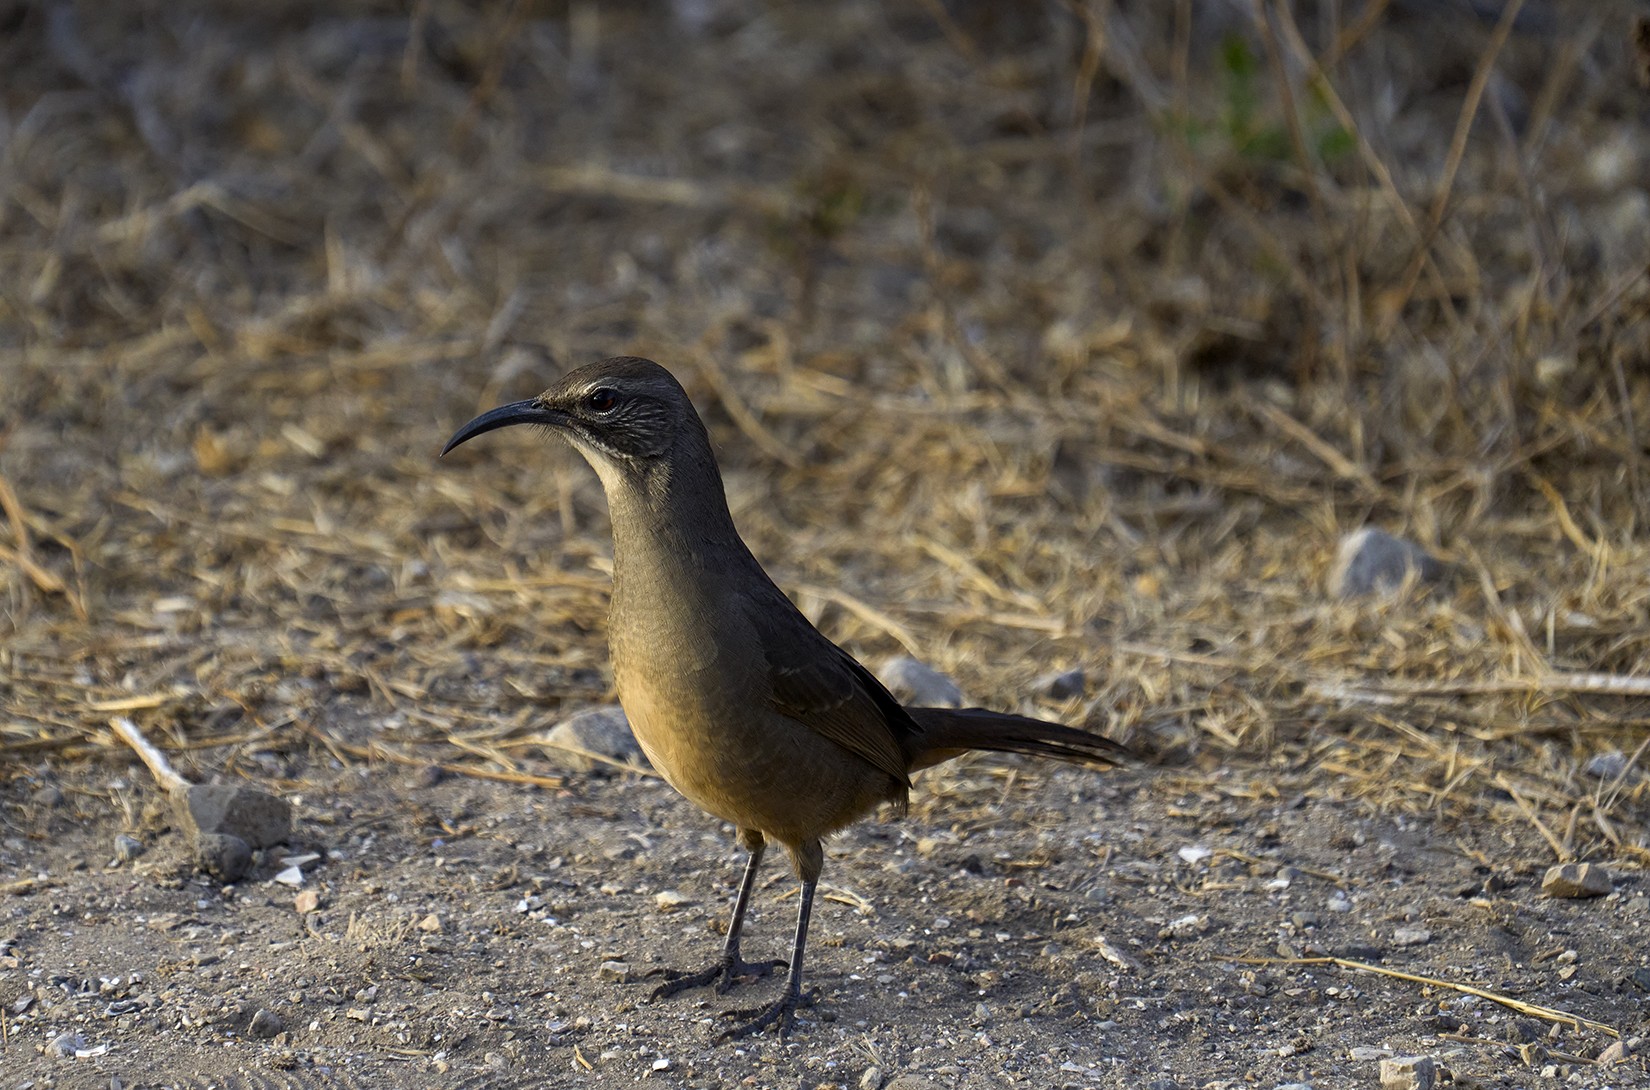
[(724, 974), (757, 1019)]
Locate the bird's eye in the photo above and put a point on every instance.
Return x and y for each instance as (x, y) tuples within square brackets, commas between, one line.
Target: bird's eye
[(601, 400)]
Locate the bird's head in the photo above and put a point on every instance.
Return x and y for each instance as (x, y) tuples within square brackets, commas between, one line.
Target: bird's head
[(622, 414)]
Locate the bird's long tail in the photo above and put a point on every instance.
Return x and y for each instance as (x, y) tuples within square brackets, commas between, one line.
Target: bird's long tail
[(949, 732)]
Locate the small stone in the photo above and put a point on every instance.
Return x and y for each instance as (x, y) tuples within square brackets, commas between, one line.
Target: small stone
[(259, 819), (871, 1079), (1409, 1073), (1187, 926), (49, 797), (1294, 1086), (661, 1064), (127, 848), (917, 683), (616, 971), (1411, 936), (587, 737), (1111, 952), (430, 924), (1552, 369), (1576, 880), (1162, 1084), (1610, 765), (226, 858), (1371, 561), (266, 1024), (307, 901), (1616, 1053), (1365, 1053), (909, 1082), (669, 900), (65, 1045), (291, 876), (1062, 685), (1194, 853)]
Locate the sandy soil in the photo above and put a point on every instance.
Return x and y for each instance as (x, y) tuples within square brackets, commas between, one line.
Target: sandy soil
[(1025, 926)]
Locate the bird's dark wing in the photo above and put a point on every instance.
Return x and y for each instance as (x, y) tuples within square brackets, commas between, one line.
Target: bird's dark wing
[(823, 687)]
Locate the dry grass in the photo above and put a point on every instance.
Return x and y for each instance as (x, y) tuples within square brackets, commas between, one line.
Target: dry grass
[(1072, 336)]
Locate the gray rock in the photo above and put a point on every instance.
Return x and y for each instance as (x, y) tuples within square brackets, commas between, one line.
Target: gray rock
[(919, 684), (1411, 936), (1371, 561), (1409, 1073), (226, 858), (871, 1079), (48, 797), (65, 1045), (259, 819), (127, 848), (909, 1082), (1576, 880), (1609, 765), (588, 736), (616, 971), (1063, 684), (266, 1024)]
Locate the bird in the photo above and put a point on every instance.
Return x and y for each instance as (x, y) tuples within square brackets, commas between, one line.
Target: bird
[(744, 707)]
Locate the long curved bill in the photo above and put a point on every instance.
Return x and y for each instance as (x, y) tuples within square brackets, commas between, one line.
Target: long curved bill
[(517, 412)]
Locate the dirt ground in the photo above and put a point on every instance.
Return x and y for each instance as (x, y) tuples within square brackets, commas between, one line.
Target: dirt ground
[(1031, 337), (1022, 928)]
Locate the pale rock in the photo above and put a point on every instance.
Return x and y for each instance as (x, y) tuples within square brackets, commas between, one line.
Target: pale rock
[(1576, 880), (1409, 1073), (918, 684)]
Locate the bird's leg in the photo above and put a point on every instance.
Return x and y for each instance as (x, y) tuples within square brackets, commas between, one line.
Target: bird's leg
[(783, 1012), (730, 967)]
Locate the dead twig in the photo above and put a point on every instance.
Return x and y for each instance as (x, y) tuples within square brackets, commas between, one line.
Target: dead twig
[(1393, 692), (1545, 1014), (154, 758)]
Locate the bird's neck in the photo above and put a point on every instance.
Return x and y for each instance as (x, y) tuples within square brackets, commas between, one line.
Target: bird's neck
[(669, 512)]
